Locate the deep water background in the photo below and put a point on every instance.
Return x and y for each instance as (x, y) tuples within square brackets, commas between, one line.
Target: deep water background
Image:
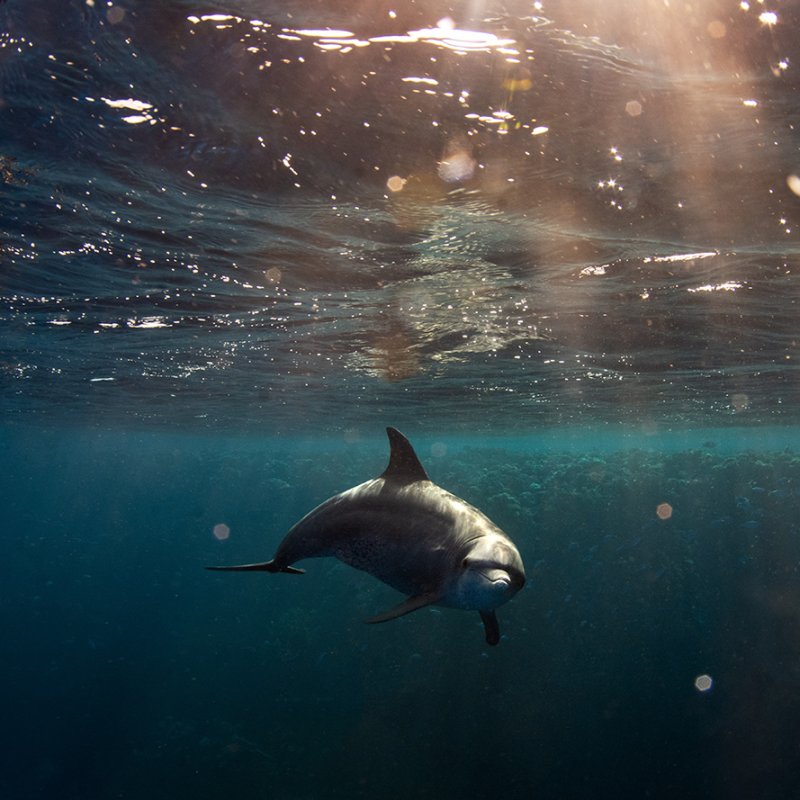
[(129, 671)]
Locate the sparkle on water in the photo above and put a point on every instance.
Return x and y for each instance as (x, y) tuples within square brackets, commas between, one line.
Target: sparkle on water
[(578, 213)]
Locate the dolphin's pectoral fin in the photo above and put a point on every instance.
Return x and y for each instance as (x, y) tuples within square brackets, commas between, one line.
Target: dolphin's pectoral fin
[(491, 626), (406, 607), (266, 566)]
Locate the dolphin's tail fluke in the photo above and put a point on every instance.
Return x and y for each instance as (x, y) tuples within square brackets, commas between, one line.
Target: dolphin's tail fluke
[(266, 566)]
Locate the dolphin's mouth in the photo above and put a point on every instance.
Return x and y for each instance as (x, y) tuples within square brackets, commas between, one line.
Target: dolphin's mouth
[(497, 577)]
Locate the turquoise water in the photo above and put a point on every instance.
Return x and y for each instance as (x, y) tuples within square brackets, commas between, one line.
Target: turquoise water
[(130, 670), (556, 244)]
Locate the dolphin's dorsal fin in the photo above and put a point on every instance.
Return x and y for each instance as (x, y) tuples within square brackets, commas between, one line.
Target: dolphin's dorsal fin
[(404, 466)]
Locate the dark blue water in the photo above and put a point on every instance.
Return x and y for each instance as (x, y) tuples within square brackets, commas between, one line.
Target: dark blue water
[(130, 671), (554, 243)]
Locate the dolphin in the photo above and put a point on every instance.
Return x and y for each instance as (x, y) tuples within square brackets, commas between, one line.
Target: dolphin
[(412, 535)]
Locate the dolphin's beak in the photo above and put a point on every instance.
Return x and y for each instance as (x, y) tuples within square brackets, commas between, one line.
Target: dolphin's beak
[(499, 577)]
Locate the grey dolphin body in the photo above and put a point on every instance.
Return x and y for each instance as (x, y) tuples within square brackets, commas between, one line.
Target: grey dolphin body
[(412, 535)]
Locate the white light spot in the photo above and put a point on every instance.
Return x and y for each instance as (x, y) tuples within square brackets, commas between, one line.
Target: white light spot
[(133, 105), (147, 323), (633, 108), (664, 511), (136, 119), (703, 683), (447, 35), (429, 81), (599, 270), (222, 531), (683, 257), (728, 286), (323, 33), (395, 183)]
